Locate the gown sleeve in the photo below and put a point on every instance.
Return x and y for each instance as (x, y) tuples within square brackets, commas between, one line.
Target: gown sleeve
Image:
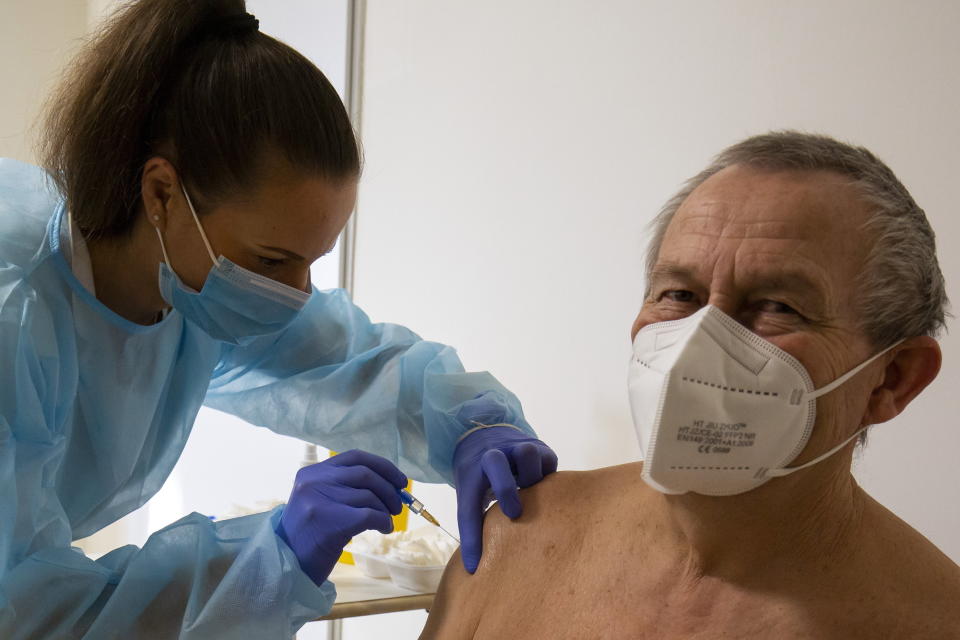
[(336, 379), (194, 579)]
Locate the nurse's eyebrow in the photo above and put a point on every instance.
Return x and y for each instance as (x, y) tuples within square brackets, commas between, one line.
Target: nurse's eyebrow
[(289, 254)]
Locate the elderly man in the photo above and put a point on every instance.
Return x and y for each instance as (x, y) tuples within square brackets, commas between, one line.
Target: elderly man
[(793, 298)]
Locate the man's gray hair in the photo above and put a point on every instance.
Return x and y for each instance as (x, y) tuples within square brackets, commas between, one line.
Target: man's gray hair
[(901, 289)]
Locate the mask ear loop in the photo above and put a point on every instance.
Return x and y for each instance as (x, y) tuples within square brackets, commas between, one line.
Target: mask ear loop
[(166, 259), (784, 471), (163, 248), (196, 219), (816, 393)]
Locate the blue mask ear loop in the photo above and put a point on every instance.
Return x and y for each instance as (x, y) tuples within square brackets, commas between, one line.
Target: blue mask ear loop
[(163, 246), (213, 257)]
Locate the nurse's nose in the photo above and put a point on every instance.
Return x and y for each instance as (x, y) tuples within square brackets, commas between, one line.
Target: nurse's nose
[(307, 283), (299, 280), (302, 281)]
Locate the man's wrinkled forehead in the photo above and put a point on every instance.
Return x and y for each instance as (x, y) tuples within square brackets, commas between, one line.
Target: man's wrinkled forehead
[(805, 224), (795, 202)]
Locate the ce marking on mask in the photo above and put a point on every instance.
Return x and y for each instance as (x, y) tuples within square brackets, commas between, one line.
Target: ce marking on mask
[(716, 437)]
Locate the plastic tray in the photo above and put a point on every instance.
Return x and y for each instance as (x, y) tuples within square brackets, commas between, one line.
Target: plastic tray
[(373, 566), (424, 579)]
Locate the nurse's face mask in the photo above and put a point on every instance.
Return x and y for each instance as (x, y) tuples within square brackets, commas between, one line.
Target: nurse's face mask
[(718, 409), (235, 305)]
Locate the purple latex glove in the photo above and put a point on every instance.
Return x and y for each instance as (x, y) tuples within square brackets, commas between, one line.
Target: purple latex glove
[(497, 459), (335, 500)]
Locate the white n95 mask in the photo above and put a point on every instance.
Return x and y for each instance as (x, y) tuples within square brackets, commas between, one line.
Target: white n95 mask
[(718, 409)]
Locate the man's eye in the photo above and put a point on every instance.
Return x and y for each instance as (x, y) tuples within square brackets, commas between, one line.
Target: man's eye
[(270, 262), (772, 306), (677, 295)]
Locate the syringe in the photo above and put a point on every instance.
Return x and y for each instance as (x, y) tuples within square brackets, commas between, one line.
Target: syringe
[(417, 507)]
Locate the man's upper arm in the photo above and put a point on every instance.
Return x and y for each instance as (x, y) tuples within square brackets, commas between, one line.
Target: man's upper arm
[(462, 598), (509, 561), (454, 613)]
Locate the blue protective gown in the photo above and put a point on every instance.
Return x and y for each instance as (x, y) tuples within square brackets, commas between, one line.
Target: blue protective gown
[(95, 411)]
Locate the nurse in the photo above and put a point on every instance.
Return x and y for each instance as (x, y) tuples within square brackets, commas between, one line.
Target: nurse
[(195, 169)]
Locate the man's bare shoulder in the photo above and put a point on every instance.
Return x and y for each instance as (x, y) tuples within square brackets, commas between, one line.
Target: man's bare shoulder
[(522, 557), (560, 510), (912, 577)]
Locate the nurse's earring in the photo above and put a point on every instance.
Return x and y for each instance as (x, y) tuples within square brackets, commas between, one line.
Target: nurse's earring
[(157, 220)]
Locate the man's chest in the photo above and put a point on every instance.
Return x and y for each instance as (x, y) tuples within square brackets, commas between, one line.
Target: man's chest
[(616, 605)]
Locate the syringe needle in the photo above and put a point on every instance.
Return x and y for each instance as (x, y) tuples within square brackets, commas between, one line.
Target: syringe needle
[(417, 507), (429, 518), (450, 534)]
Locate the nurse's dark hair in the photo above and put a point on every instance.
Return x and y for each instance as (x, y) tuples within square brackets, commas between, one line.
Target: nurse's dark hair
[(195, 82)]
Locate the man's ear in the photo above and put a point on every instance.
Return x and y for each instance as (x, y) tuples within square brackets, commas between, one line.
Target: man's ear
[(912, 365)]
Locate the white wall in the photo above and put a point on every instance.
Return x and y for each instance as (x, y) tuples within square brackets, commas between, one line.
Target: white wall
[(36, 39), (515, 151)]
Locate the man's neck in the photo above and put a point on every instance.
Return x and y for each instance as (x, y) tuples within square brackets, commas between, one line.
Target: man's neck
[(776, 529), (125, 273)]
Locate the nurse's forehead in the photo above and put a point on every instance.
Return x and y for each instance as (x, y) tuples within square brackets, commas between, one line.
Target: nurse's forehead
[(303, 197), (293, 213), (289, 193), (297, 204)]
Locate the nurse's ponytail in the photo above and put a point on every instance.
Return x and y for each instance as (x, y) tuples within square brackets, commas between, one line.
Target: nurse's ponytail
[(195, 82)]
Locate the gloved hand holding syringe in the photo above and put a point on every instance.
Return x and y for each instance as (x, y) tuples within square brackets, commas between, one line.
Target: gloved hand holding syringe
[(417, 507)]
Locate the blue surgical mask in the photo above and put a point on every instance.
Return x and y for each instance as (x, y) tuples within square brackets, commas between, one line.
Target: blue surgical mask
[(235, 305)]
